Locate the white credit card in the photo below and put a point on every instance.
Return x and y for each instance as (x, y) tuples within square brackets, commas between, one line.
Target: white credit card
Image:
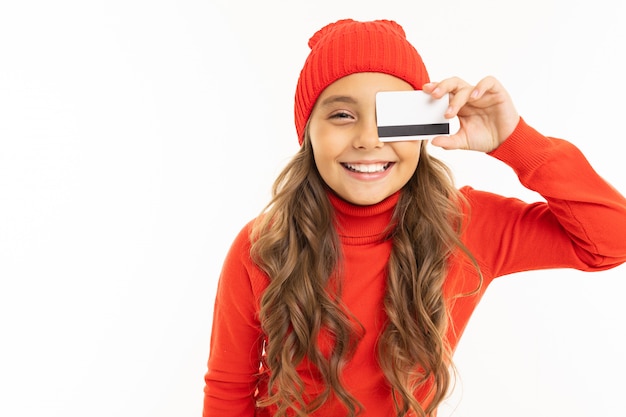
[(410, 115)]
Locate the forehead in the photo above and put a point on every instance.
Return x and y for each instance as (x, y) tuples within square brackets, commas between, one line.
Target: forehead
[(361, 86)]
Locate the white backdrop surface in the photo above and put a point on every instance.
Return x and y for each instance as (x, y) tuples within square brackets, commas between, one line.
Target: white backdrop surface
[(137, 137)]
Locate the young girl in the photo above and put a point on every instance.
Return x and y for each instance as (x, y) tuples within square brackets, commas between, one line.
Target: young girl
[(349, 294)]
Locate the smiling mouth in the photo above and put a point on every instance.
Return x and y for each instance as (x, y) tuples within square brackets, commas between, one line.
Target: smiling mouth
[(367, 168)]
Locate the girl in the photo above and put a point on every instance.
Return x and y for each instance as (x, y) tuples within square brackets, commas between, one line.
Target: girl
[(348, 295)]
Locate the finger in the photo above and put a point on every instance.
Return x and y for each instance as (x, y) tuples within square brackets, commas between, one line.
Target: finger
[(429, 87), (458, 99), (457, 89), (448, 86), (488, 83), (438, 89), (451, 142)]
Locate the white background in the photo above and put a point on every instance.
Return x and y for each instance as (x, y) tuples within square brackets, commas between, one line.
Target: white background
[(137, 137)]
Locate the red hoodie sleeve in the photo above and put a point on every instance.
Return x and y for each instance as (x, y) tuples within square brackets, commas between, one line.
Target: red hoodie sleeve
[(581, 224), (236, 339)]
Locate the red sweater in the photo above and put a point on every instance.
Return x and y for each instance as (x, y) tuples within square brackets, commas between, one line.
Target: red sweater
[(581, 225)]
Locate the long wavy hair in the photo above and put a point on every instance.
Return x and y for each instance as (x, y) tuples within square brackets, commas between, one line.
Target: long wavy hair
[(296, 245)]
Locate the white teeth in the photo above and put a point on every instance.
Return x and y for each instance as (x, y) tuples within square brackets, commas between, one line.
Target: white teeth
[(367, 168)]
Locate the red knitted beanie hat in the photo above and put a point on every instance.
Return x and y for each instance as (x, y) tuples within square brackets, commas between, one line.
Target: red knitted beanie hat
[(347, 47)]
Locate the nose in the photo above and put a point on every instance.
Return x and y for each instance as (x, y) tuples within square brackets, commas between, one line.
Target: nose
[(366, 136)]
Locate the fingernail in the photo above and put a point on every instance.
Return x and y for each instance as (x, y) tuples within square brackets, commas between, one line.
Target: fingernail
[(475, 93)]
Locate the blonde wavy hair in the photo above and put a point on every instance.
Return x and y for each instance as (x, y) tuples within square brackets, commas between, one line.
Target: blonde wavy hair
[(295, 244)]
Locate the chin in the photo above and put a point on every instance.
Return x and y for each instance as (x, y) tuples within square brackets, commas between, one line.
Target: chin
[(365, 201)]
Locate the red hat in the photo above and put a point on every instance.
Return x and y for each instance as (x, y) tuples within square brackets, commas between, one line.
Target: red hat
[(346, 47)]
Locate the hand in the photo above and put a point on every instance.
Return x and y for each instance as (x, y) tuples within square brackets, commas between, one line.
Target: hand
[(486, 113)]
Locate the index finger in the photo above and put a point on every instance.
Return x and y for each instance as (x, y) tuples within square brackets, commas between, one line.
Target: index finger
[(458, 89)]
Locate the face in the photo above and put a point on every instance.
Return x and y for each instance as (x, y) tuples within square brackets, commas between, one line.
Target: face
[(348, 153)]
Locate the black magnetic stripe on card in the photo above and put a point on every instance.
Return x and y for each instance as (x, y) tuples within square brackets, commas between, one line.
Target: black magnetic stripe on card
[(414, 130)]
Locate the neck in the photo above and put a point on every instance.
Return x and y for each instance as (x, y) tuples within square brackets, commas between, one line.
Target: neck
[(363, 224)]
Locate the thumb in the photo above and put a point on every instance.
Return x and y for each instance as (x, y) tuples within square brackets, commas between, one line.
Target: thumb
[(451, 142)]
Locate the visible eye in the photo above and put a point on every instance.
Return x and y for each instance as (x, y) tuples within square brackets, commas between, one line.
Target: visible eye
[(341, 115)]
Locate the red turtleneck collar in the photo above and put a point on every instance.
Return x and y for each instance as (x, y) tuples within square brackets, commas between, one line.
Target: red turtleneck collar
[(360, 225)]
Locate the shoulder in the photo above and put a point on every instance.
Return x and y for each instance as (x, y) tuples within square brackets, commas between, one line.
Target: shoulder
[(240, 263), (243, 240)]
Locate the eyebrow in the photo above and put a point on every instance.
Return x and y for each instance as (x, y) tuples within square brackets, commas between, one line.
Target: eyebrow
[(338, 99)]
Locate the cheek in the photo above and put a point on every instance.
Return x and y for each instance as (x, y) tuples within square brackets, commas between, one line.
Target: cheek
[(326, 167), (408, 152), (321, 157), (325, 149)]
